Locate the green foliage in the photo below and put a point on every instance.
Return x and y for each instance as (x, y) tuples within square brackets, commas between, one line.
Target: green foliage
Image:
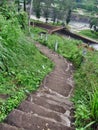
[(36, 30), (66, 47), (89, 34), (10, 30), (94, 105), (37, 8), (22, 19), (94, 24), (86, 83), (22, 66), (89, 6), (8, 10)]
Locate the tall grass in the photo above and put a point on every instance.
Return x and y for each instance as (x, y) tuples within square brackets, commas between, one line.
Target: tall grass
[(21, 65), (87, 87)]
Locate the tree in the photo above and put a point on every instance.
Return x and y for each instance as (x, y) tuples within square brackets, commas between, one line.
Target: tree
[(54, 14), (94, 24), (46, 8), (56, 9), (17, 2), (37, 8), (68, 16), (25, 5), (64, 10)]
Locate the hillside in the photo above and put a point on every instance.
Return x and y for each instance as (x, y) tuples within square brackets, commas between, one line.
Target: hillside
[(22, 66)]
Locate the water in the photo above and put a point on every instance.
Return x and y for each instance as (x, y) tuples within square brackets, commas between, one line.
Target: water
[(78, 26)]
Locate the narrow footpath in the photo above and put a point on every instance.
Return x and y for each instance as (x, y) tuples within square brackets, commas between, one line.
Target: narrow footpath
[(50, 107)]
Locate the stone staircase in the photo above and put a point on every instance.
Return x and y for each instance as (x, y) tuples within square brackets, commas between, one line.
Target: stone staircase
[(50, 107)]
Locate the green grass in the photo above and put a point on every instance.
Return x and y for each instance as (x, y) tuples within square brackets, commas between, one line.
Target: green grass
[(86, 92), (26, 69), (22, 66), (66, 47), (89, 34)]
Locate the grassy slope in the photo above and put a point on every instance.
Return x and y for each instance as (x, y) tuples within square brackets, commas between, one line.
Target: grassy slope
[(89, 34), (22, 67)]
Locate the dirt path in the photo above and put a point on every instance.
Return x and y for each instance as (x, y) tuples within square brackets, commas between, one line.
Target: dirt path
[(49, 108)]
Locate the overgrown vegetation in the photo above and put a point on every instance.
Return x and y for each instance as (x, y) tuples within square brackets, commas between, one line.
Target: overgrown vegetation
[(86, 81), (22, 66), (64, 46), (86, 93)]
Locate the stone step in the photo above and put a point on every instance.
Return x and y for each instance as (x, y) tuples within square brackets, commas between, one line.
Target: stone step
[(37, 109), (60, 87), (47, 103), (4, 126), (57, 76), (33, 122), (65, 75), (41, 111), (57, 79), (54, 96)]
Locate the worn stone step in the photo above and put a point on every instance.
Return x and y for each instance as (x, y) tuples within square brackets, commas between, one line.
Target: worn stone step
[(4, 126), (54, 96), (57, 79), (37, 109), (47, 103), (41, 111), (33, 122), (49, 94), (57, 76), (60, 87)]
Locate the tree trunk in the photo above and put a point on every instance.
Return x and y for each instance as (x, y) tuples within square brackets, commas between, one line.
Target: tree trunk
[(18, 5), (25, 5), (30, 11)]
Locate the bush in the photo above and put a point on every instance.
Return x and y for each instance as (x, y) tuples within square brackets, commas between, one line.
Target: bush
[(22, 19), (10, 29)]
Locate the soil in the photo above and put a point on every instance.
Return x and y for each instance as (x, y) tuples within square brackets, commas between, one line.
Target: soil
[(50, 107)]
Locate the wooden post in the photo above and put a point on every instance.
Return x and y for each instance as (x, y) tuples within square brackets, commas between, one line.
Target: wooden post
[(46, 37), (41, 36), (56, 45)]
